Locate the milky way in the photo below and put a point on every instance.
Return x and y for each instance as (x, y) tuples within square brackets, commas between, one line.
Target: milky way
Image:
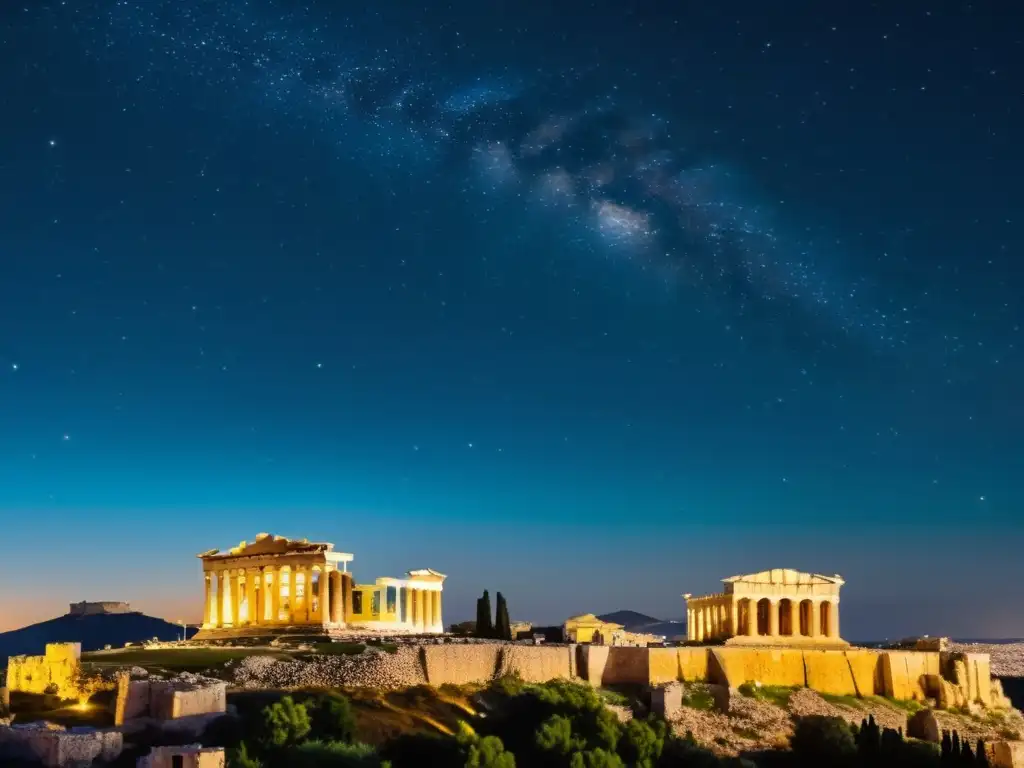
[(563, 141)]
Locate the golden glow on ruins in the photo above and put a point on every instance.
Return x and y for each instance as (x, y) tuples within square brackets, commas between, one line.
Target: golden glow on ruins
[(776, 607), (279, 585)]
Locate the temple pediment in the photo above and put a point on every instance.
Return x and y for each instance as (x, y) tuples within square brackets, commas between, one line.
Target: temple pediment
[(785, 576), (427, 574), (268, 544)]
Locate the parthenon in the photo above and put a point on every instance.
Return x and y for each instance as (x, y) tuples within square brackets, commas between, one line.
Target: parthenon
[(276, 585), (777, 607)]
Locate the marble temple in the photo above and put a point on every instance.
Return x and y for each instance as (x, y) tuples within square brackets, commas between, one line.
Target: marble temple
[(275, 585), (776, 607)]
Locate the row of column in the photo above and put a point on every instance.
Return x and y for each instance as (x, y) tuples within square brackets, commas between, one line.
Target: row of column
[(270, 594), (769, 617), (422, 608)]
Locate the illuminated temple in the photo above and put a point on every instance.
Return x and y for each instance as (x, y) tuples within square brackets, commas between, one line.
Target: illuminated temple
[(777, 607), (276, 585)]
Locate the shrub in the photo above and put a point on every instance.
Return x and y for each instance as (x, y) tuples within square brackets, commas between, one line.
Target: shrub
[(285, 723), (331, 754), (226, 731), (821, 740), (240, 758), (641, 743), (331, 718)]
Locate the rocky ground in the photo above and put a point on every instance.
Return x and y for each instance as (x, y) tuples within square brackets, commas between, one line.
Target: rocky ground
[(373, 668), (755, 723), (1007, 659)]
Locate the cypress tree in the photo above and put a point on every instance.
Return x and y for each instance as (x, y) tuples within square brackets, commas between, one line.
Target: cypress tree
[(947, 745), (980, 758), (955, 753), (484, 627), (502, 625)]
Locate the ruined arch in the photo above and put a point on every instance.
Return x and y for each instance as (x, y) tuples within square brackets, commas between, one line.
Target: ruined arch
[(825, 609), (806, 618), (786, 617)]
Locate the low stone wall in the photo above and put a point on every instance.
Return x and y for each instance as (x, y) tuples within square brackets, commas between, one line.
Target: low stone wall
[(462, 664), (192, 756), (53, 746), (57, 667)]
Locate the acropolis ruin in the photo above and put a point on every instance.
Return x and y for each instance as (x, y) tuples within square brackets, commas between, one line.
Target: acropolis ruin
[(275, 585), (776, 607)]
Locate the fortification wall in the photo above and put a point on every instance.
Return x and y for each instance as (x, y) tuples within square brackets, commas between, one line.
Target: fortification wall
[(52, 746), (167, 699), (85, 608), (956, 679), (58, 667), (480, 663)]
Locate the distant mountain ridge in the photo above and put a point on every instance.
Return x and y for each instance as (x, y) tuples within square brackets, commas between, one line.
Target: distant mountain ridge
[(634, 621), (93, 631)]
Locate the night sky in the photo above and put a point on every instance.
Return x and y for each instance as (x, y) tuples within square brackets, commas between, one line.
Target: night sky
[(589, 305)]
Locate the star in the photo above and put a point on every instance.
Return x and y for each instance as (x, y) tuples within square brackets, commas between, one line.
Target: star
[(53, 142), (981, 498), (14, 366), (66, 437), (319, 365), (470, 445)]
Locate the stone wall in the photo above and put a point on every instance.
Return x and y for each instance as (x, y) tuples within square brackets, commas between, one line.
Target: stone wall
[(192, 756), (479, 663), (168, 699), (58, 666), (953, 679), (53, 746)]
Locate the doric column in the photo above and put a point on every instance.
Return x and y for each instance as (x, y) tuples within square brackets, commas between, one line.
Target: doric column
[(260, 583), (207, 602), (341, 610), (438, 617), (275, 593), (814, 621), (421, 609), (347, 588), (235, 598), (734, 617), (306, 615), (773, 619), (794, 618), (408, 605), (324, 597), (291, 594), (250, 595), (435, 609), (223, 598), (751, 617), (700, 624), (833, 619)]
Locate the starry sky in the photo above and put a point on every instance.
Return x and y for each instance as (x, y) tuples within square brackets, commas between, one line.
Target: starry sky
[(591, 303)]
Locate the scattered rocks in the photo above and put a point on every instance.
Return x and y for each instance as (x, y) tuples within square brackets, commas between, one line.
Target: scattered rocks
[(373, 668)]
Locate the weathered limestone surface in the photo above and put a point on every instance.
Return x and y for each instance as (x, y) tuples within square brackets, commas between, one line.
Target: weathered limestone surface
[(54, 747), (461, 664), (538, 663), (58, 666), (184, 696), (735, 666), (192, 756), (667, 700), (627, 665), (1005, 754)]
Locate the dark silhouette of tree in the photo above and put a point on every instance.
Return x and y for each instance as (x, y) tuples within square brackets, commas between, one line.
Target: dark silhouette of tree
[(484, 627), (502, 625)]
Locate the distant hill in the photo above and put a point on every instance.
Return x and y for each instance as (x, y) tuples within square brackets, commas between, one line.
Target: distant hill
[(92, 631), (639, 622)]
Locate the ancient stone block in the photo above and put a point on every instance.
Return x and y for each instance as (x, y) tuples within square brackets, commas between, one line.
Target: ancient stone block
[(829, 672), (924, 725), (1005, 754), (667, 700)]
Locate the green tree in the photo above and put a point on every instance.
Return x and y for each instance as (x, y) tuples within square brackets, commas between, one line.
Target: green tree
[(596, 758), (641, 743), (821, 740), (331, 754), (285, 724), (502, 625), (331, 718), (240, 758), (555, 736), (484, 626)]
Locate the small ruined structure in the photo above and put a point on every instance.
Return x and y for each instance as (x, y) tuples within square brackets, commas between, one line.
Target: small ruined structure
[(186, 696), (190, 756), (276, 585), (56, 747), (56, 671), (587, 628), (776, 607), (101, 608)]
